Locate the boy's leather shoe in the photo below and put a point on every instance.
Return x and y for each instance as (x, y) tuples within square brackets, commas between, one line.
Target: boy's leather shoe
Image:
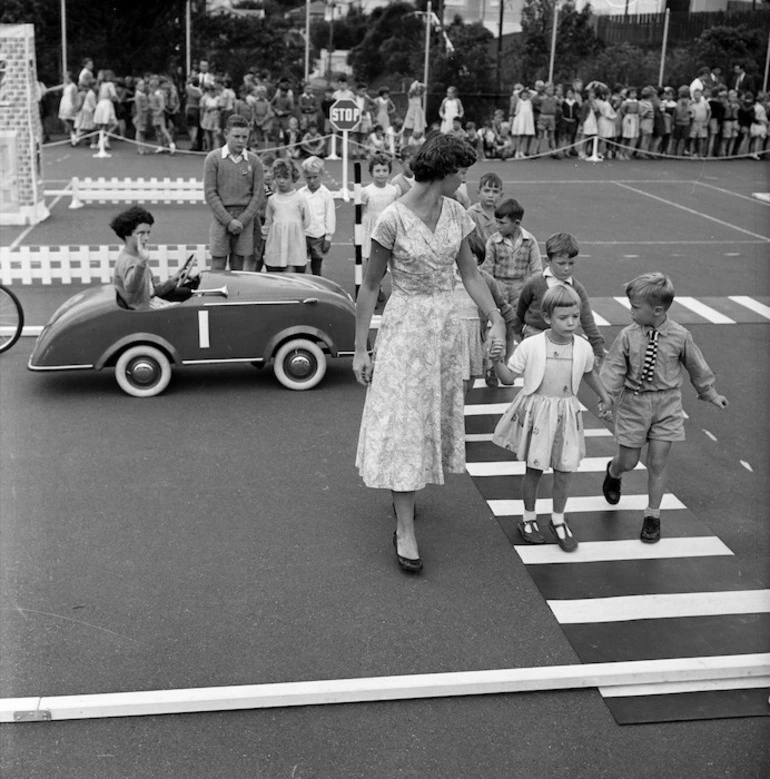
[(611, 487)]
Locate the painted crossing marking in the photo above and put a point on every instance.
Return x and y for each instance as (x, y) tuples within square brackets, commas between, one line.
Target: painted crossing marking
[(517, 468), (753, 305), (707, 312), (660, 606), (598, 432), (384, 688), (583, 504), (672, 688), (606, 551)]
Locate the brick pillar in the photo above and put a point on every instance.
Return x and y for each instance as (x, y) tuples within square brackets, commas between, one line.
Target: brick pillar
[(21, 133)]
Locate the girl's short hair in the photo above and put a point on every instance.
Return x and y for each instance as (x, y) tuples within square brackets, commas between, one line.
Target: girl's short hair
[(560, 296), (653, 288), (560, 244), (313, 165), (285, 168), (127, 221), (441, 156), (380, 159)]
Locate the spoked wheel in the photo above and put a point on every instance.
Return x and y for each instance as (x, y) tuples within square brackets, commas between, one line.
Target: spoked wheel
[(300, 364), (11, 319)]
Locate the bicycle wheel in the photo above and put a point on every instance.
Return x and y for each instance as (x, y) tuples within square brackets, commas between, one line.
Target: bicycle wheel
[(11, 319)]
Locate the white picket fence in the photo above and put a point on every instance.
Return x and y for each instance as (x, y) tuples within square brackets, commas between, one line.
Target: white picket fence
[(131, 190), (87, 264)]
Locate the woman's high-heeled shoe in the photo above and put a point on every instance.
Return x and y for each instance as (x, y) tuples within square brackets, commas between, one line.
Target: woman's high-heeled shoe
[(407, 564)]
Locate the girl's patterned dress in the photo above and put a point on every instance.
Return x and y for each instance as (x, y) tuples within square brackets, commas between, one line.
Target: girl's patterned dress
[(630, 110), (545, 429), (471, 345), (286, 218), (413, 427)]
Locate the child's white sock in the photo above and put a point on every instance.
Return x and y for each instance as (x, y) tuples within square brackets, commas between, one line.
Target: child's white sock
[(530, 516), (557, 519), (649, 512)]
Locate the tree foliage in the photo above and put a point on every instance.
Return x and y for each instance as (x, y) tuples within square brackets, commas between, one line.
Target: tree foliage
[(576, 40), (723, 47)]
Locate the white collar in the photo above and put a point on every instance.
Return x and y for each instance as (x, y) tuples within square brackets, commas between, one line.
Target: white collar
[(549, 272), (227, 153)]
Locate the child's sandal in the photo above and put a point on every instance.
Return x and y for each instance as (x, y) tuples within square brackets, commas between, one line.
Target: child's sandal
[(530, 532), (568, 543)]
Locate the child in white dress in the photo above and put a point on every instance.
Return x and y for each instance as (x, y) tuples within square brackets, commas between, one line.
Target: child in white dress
[(286, 219), (523, 128), (543, 426), (451, 107), (376, 197)]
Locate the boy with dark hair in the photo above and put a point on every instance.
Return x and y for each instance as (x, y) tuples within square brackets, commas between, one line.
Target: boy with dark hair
[(561, 251), (483, 212), (643, 373)]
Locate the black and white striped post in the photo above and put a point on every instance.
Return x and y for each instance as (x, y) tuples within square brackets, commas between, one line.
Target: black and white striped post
[(358, 226)]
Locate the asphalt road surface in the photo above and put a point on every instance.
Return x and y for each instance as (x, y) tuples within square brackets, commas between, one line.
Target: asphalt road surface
[(219, 534)]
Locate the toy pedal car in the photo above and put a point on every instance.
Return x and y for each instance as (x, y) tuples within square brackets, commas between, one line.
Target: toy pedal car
[(294, 321)]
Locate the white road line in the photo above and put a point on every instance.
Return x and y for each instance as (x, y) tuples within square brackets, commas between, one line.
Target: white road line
[(707, 312), (578, 504), (672, 688), (481, 409), (604, 551), (673, 204), (750, 303), (481, 384), (726, 191), (600, 320), (709, 434), (747, 466), (384, 688), (623, 302), (516, 468), (660, 606), (597, 432)]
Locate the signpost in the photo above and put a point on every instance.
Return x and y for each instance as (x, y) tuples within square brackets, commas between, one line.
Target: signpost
[(344, 115)]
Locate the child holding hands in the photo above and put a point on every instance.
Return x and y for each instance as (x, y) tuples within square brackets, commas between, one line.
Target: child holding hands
[(543, 426), (643, 372)]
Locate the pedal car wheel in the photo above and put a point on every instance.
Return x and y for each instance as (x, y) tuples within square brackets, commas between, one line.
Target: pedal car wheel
[(300, 364), (143, 371)]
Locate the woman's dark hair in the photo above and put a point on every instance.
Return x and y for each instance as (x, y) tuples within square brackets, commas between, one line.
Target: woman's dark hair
[(441, 156), (127, 221)]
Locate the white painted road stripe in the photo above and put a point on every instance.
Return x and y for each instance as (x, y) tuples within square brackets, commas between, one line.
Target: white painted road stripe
[(623, 302), (692, 211), (660, 606), (600, 320), (598, 432), (604, 551), (383, 688), (480, 409), (481, 384), (750, 303), (516, 468), (508, 508), (671, 688), (707, 312)]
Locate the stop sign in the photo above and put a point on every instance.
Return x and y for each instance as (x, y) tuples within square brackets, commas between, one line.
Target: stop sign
[(344, 114)]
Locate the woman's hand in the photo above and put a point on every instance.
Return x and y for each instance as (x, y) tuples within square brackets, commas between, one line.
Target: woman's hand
[(362, 368)]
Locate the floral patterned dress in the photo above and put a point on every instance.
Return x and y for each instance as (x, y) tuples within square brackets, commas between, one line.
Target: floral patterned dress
[(413, 428)]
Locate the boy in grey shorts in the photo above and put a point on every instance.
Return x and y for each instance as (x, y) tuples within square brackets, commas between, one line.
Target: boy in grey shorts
[(643, 374)]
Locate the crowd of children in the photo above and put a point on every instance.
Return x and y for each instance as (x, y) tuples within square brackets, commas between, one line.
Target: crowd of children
[(566, 120), (553, 343)]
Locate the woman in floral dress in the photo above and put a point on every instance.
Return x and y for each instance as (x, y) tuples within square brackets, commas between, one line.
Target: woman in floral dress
[(413, 427)]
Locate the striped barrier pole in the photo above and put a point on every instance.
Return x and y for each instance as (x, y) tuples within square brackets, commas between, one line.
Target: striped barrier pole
[(358, 226)]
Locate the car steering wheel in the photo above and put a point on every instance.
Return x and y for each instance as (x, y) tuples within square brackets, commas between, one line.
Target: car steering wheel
[(184, 274)]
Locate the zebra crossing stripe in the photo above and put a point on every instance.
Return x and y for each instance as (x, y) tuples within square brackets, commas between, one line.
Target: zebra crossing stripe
[(671, 688), (606, 551), (751, 304), (518, 468), (598, 432), (583, 504), (707, 312), (660, 606)]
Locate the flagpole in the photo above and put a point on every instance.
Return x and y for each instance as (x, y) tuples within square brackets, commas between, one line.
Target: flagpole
[(428, 14), (307, 40), (63, 40), (188, 35)]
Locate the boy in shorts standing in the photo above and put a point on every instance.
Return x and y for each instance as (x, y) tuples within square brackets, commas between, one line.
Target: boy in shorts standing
[(483, 212), (643, 374)]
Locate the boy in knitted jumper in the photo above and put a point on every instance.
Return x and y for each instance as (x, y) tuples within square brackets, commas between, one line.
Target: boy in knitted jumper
[(561, 251)]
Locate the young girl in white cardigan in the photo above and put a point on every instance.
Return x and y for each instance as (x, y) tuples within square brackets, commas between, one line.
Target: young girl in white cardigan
[(543, 425)]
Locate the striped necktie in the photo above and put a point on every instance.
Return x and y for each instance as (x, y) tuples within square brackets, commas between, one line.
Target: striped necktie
[(650, 356)]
